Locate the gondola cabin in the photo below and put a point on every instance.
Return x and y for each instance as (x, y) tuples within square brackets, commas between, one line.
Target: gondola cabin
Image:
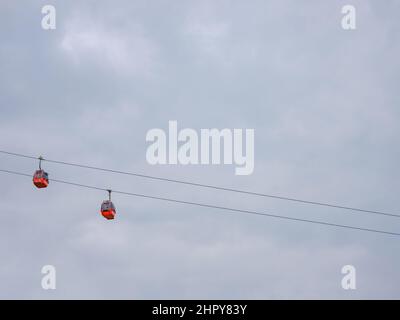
[(41, 179), (108, 210)]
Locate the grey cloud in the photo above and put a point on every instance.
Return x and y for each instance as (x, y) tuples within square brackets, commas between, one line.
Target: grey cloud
[(324, 106)]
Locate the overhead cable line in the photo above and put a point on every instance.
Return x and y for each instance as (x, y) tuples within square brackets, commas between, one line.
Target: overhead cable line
[(201, 185), (204, 205)]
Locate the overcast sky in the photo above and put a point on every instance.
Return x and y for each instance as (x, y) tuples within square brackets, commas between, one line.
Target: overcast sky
[(324, 104)]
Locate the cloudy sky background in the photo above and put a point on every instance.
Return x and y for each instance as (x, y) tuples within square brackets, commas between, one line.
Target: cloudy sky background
[(324, 104)]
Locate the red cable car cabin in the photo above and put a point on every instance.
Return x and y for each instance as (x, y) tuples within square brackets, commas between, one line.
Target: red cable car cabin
[(108, 209), (41, 179)]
